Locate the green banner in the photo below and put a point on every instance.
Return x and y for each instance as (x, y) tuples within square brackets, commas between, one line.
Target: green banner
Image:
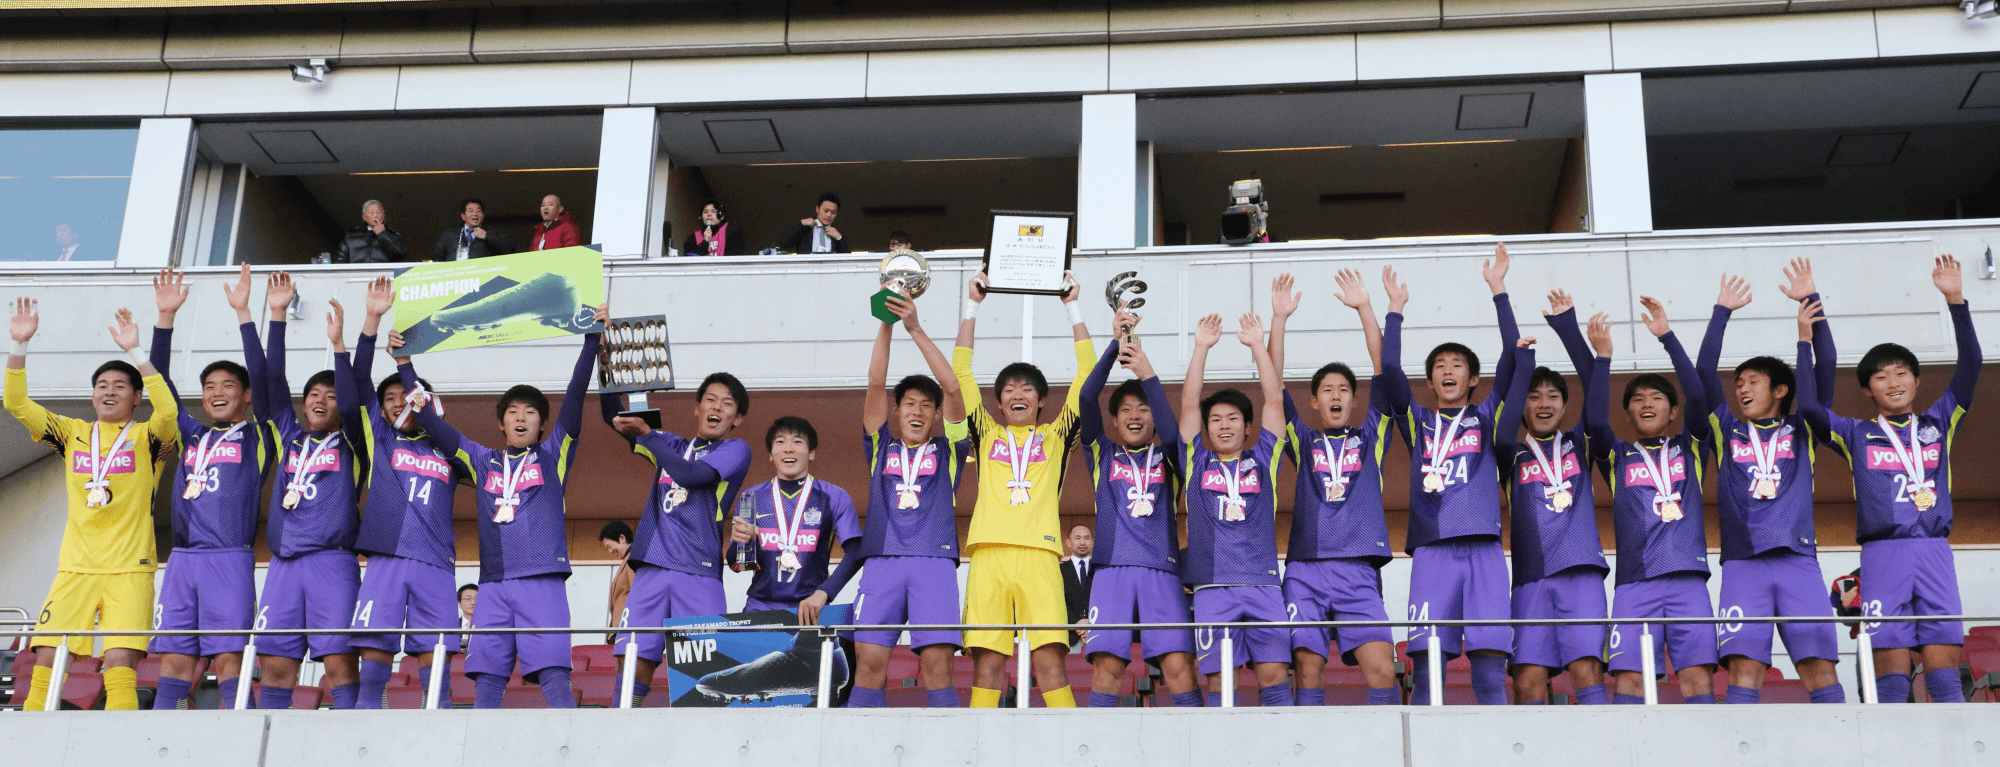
[(499, 300)]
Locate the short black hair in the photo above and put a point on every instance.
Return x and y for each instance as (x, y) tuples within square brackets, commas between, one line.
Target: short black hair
[(472, 201), (1332, 368), (828, 197), (720, 212), (1883, 354), (1656, 382), (1134, 389), (396, 379), (1021, 371), (322, 378), (236, 371), (522, 393), (615, 530), (472, 587), (131, 373), (1544, 375), (791, 424), (1230, 397), (922, 384), (900, 236), (735, 387), (1780, 374), (1451, 347)]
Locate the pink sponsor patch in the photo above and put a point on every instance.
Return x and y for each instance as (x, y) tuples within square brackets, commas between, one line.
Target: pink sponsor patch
[(1004, 454), (767, 538), (121, 462), (417, 463), (1741, 452), (1531, 471), (1122, 472), (927, 466), (227, 452), (1883, 457), (1636, 474), (531, 477), (1350, 460), (1246, 483), (327, 460), (1467, 442)]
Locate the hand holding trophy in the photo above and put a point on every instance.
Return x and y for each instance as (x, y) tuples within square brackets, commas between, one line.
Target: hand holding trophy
[(904, 273), (1114, 294)]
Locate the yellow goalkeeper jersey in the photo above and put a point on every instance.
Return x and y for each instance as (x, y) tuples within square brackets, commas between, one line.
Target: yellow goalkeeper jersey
[(995, 518), (118, 536)]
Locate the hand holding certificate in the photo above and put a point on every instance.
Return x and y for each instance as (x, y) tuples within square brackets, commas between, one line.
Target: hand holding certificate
[(1028, 252)]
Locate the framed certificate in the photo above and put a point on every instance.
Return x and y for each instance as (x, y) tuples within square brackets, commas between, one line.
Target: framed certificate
[(1028, 251)]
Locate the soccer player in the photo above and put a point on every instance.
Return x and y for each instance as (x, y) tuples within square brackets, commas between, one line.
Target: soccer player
[(1339, 537), (1901, 462), (314, 515), (215, 501), (910, 539), (677, 556), (523, 549), (1457, 570), (792, 521), (1559, 563), (1657, 519), (1015, 537), (104, 576), (1137, 554), (407, 532), (1764, 500)]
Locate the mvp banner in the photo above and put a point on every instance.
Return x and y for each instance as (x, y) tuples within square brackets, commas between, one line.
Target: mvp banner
[(499, 300), (756, 669)]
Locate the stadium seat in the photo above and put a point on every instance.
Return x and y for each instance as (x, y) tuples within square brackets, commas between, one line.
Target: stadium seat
[(407, 665), (905, 668), (595, 687), (83, 690), (592, 656), (149, 671), (524, 697), (306, 697), (1784, 691), (660, 697), (463, 690), (1984, 661), (85, 663), (1345, 685), (907, 697), (405, 697)]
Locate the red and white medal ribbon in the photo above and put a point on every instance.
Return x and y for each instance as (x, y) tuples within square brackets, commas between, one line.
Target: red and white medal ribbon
[(1442, 438), (1138, 501), (1666, 502), (197, 478), (909, 487), (1921, 489), (1017, 459), (415, 399), (1764, 478), (1335, 482), (99, 486), (676, 495), (510, 478), (300, 484), (1555, 486), (788, 530)]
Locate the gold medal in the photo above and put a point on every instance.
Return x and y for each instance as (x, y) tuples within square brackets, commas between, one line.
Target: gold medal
[(503, 511), (1232, 511), (906, 499), (1561, 500), (677, 496), (1670, 511), (97, 497), (788, 561), (1924, 499), (1018, 497), (193, 490), (1141, 508), (1335, 491), (291, 498), (1433, 483), (1766, 488)]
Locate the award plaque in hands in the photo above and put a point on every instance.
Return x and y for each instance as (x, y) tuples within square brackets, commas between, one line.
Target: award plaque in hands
[(1114, 294), (905, 274), (633, 360), (1029, 252)]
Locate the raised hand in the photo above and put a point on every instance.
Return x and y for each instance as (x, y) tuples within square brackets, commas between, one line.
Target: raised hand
[(381, 296), (170, 291), (1283, 300), (1599, 333), (1070, 288), (1495, 269), (1655, 316), (125, 334), (1559, 302), (1735, 293), (1250, 330), (395, 340), (25, 321), (1809, 314), (336, 324), (1134, 359), (278, 294), (976, 287), (1399, 293), (630, 426), (602, 314), (1799, 280), (238, 293), (905, 310), (1353, 293), (1208, 331), (1524, 342), (1948, 279), (1124, 323)]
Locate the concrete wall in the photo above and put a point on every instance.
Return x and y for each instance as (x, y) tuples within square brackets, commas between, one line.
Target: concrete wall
[(31, 522)]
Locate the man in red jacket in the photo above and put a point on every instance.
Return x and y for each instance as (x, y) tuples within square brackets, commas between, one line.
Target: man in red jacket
[(556, 230)]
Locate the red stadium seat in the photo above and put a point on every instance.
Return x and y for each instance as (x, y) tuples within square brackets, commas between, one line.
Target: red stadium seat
[(405, 697), (306, 697), (407, 665), (591, 656), (524, 697), (86, 663), (596, 687), (1984, 660), (149, 671), (907, 697), (463, 690), (1784, 691), (82, 690), (401, 680), (905, 668), (660, 697)]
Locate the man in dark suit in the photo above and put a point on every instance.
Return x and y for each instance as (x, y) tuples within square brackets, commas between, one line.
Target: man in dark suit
[(472, 240), (816, 234), (1076, 573)]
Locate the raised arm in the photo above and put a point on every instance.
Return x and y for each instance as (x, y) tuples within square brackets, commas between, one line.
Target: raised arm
[(570, 417), (1354, 295), (1395, 385), (875, 404), (1086, 354), (1691, 388), (1507, 423), (277, 387), (1283, 303), (1811, 407), (1945, 274), (1090, 417), (1165, 426), (961, 360), (1494, 270), (1800, 286), (440, 431), (953, 407), (1206, 333), (1561, 316), (1735, 295), (1250, 331), (347, 384), (40, 422), (381, 296), (1597, 393)]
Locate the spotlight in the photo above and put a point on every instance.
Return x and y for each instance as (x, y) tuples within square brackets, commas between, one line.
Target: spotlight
[(1980, 9), (314, 71), (1243, 221)]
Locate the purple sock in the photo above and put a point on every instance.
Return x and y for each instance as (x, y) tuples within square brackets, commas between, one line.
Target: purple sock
[(374, 684), (1275, 695), (1591, 696), (1212, 699), (944, 698), (274, 698), (1832, 693), (1709, 698), (1892, 688), (1742, 695), (1311, 697), (639, 692), (1103, 700), (344, 695), (489, 690), (1385, 696), (1625, 700), (169, 694), (867, 697), (1944, 685), (1189, 699), (228, 689), (1489, 679), (555, 687)]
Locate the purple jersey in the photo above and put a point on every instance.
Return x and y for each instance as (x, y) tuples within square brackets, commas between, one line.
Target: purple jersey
[(1337, 513), (826, 518), (1225, 548), (535, 541), (1752, 525), (321, 464), (688, 536), (1886, 487), (1134, 488), (411, 483), (1546, 540), (1650, 544), (932, 471), (231, 461)]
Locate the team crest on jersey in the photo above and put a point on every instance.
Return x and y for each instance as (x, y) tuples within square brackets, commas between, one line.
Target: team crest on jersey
[(812, 517), (1928, 432), (431, 465), (121, 462), (1000, 451)]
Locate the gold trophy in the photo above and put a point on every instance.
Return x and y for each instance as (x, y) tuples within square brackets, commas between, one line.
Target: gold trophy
[(905, 274), (633, 361), (1114, 294)]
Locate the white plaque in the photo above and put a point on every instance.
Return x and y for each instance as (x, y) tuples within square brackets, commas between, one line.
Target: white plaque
[(1028, 252)]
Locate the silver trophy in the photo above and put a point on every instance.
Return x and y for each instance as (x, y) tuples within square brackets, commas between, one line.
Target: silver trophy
[(1114, 294), (905, 274)]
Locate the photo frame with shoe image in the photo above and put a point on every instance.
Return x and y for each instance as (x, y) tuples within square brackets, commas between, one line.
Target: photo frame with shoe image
[(499, 300), (756, 669)]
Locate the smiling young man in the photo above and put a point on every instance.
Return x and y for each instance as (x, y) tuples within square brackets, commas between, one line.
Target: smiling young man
[(1015, 537), (1458, 570), (215, 500), (104, 575), (1901, 461), (1656, 510), (677, 556), (910, 539), (1135, 554), (1559, 565), (1764, 500), (518, 493), (315, 513), (1339, 537)]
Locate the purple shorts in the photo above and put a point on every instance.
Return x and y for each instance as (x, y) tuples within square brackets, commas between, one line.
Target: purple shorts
[(1337, 590), (1777, 583), (1577, 592), (1240, 603), (753, 604), (206, 589), (1460, 579), (314, 590), (1910, 576), (659, 594), (537, 601), (1674, 595), (1133, 594), (920, 590), (398, 592)]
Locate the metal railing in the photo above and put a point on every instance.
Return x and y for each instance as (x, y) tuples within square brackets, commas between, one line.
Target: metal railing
[(828, 635)]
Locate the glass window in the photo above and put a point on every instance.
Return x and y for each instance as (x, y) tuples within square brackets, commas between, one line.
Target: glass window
[(65, 190)]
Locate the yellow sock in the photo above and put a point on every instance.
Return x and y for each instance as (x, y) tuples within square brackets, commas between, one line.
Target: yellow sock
[(121, 689), (1059, 698), (38, 690), (984, 698)]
